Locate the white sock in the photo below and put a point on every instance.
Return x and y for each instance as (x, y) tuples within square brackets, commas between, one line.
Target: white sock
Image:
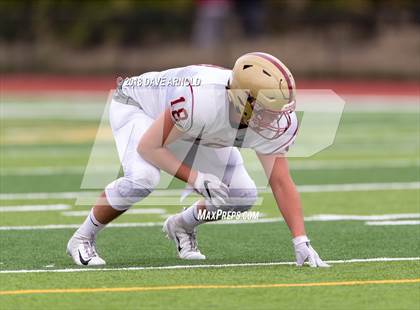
[(90, 227), (190, 216)]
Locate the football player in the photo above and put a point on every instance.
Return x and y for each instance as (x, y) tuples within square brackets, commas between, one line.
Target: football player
[(189, 122)]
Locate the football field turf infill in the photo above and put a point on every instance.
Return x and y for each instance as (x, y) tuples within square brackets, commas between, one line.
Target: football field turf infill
[(361, 203)]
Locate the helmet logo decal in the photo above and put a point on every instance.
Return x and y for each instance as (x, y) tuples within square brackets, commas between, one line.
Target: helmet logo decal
[(266, 73), (282, 70)]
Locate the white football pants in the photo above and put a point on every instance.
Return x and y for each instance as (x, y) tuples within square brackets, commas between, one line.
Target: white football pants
[(129, 123)]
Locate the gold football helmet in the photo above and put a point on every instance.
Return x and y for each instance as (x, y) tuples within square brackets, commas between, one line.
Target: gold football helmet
[(262, 90)]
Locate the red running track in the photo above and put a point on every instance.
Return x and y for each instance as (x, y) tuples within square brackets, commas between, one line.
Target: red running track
[(23, 83)]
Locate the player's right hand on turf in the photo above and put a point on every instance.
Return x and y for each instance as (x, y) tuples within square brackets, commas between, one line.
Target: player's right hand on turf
[(212, 188), (305, 252)]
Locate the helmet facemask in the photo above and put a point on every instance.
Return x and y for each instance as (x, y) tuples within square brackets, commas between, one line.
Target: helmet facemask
[(269, 124)]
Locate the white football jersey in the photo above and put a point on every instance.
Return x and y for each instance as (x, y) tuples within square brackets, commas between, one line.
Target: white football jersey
[(199, 107)]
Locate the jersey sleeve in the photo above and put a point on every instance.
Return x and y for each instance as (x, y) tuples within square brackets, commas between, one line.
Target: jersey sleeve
[(282, 144), (183, 110)]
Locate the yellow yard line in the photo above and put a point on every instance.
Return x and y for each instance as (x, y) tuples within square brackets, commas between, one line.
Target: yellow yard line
[(183, 287)]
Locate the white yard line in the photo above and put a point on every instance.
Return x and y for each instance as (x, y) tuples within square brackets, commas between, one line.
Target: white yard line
[(131, 211), (77, 109), (174, 267), (58, 110), (51, 195), (295, 165), (34, 208), (74, 226), (358, 187), (302, 188), (314, 218), (47, 170), (380, 217), (344, 164), (392, 223), (366, 103)]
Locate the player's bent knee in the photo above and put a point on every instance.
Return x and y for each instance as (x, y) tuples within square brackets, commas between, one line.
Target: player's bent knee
[(149, 177), (242, 199), (124, 192)]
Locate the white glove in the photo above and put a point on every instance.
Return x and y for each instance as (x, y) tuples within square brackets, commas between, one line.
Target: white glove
[(211, 188), (304, 252)]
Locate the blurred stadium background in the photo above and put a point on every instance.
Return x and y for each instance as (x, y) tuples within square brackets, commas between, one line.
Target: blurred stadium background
[(317, 39)]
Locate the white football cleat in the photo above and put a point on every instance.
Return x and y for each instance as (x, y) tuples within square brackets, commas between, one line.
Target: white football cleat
[(185, 240), (83, 252)]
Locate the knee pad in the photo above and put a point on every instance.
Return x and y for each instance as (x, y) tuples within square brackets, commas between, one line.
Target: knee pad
[(240, 200), (124, 192)]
